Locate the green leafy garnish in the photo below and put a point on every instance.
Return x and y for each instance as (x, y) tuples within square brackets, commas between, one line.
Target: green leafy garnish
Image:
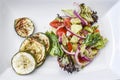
[(55, 46), (96, 40)]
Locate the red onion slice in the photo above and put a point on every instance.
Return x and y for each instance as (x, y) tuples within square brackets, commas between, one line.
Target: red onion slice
[(70, 53), (83, 21), (87, 60), (78, 62), (74, 33), (76, 54), (60, 39)]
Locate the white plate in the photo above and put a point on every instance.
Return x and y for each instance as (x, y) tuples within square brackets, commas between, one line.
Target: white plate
[(106, 65)]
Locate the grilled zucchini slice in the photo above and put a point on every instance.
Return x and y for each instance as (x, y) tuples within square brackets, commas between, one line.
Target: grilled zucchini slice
[(43, 39), (37, 49), (24, 27), (23, 63)]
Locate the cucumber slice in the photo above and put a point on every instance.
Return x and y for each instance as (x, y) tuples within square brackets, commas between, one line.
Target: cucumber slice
[(24, 27), (34, 47), (43, 39), (23, 63)]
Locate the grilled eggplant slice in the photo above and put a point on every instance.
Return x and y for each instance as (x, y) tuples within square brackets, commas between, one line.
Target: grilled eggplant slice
[(24, 27), (37, 49), (43, 39), (23, 63)]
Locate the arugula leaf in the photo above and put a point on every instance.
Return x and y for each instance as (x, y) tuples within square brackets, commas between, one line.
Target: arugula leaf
[(91, 39), (55, 46)]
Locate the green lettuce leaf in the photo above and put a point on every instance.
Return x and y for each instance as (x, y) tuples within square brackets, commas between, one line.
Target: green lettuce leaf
[(95, 40), (101, 43), (55, 46), (88, 14)]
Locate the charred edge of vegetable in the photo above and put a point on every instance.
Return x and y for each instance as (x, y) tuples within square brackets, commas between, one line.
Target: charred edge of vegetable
[(49, 41), (41, 62), (19, 73), (38, 65), (47, 51), (17, 32)]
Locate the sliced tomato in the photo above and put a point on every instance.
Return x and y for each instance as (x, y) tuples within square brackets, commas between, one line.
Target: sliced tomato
[(67, 22), (60, 31), (81, 60), (56, 23), (69, 46)]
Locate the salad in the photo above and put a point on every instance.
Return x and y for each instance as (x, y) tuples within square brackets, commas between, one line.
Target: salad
[(75, 38)]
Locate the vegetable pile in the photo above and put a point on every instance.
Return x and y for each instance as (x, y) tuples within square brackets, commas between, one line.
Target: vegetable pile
[(75, 38), (34, 49)]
